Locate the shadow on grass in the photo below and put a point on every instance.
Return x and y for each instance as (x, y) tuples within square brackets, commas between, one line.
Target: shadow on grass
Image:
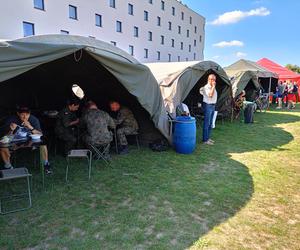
[(146, 199)]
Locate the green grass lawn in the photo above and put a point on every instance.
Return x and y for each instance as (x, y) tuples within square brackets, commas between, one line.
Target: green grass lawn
[(241, 193)]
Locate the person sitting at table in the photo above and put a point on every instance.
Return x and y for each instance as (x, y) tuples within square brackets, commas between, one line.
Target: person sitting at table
[(97, 123), (66, 120), (126, 124), (31, 125)]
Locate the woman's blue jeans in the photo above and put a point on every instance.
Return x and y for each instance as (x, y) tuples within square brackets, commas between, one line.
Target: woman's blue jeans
[(208, 110)]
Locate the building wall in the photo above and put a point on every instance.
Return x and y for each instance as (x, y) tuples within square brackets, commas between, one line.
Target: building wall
[(55, 17)]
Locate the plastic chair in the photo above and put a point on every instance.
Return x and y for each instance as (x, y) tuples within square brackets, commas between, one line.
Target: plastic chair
[(13, 174), (79, 153)]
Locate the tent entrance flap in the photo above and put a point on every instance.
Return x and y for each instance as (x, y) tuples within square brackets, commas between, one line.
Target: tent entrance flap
[(48, 86), (224, 100)]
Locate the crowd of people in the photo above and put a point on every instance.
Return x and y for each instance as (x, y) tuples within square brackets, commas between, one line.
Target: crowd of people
[(286, 94), (95, 127)]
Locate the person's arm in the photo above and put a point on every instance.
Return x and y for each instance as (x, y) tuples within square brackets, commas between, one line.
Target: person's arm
[(110, 121), (212, 90), (34, 126)]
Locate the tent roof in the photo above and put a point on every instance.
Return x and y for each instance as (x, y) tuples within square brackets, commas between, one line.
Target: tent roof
[(22, 55), (246, 65), (283, 73)]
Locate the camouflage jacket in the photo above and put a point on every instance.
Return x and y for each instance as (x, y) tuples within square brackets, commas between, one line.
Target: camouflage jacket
[(64, 118), (125, 118), (97, 123)]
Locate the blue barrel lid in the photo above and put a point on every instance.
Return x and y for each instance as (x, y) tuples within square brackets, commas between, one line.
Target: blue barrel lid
[(185, 118)]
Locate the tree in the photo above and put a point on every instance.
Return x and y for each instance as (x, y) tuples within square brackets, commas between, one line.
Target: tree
[(294, 68)]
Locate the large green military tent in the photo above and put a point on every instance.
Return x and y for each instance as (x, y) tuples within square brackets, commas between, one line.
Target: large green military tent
[(181, 81), (251, 77), (41, 70)]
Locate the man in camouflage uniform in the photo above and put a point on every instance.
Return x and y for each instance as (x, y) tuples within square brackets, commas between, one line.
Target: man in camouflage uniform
[(126, 124), (97, 123), (65, 123)]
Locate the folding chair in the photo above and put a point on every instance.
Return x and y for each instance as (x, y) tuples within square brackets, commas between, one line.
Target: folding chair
[(12, 174), (79, 153), (100, 152)]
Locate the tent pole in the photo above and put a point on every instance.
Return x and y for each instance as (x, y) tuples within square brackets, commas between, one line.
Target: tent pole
[(270, 82)]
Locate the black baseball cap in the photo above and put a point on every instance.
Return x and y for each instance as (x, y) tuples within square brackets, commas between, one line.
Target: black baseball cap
[(23, 109)]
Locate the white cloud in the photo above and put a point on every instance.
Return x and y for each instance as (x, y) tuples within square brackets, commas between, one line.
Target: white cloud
[(233, 43), (215, 57), (241, 54), (238, 15)]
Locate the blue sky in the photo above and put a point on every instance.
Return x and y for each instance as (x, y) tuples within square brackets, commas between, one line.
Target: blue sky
[(250, 29)]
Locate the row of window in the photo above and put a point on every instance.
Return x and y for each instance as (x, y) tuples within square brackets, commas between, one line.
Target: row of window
[(28, 29), (39, 4)]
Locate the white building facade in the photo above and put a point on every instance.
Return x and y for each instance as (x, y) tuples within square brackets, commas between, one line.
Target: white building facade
[(150, 30)]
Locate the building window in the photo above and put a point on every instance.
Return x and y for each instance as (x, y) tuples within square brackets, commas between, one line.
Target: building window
[(181, 45), (64, 32), (149, 36), (72, 12), (179, 29), (173, 43), (130, 9), (195, 29), (191, 20), (163, 5), (186, 59), (194, 56), (150, 1), (200, 38), (170, 26), (158, 55), (131, 50), (182, 15), (135, 31), (146, 16), (190, 48), (195, 43), (173, 11), (98, 20), (119, 26), (39, 4), (178, 58), (28, 29), (145, 53), (169, 57), (162, 40), (187, 33), (112, 3), (158, 21), (113, 43)]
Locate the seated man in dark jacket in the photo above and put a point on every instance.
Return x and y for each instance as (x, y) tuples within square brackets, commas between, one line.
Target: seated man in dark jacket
[(31, 125)]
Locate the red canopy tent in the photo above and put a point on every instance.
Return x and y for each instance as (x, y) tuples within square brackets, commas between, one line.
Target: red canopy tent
[(283, 73)]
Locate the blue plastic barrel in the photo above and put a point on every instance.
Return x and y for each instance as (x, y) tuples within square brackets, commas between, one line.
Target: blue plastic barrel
[(184, 136)]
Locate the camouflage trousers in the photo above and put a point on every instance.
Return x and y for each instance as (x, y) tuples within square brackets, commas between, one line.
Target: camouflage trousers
[(121, 135)]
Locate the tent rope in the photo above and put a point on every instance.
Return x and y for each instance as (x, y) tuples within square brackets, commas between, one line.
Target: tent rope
[(80, 56)]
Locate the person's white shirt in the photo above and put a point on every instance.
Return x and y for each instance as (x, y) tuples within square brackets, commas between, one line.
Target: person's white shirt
[(205, 92)]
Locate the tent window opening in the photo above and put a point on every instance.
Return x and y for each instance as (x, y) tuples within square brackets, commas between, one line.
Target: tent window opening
[(77, 90)]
